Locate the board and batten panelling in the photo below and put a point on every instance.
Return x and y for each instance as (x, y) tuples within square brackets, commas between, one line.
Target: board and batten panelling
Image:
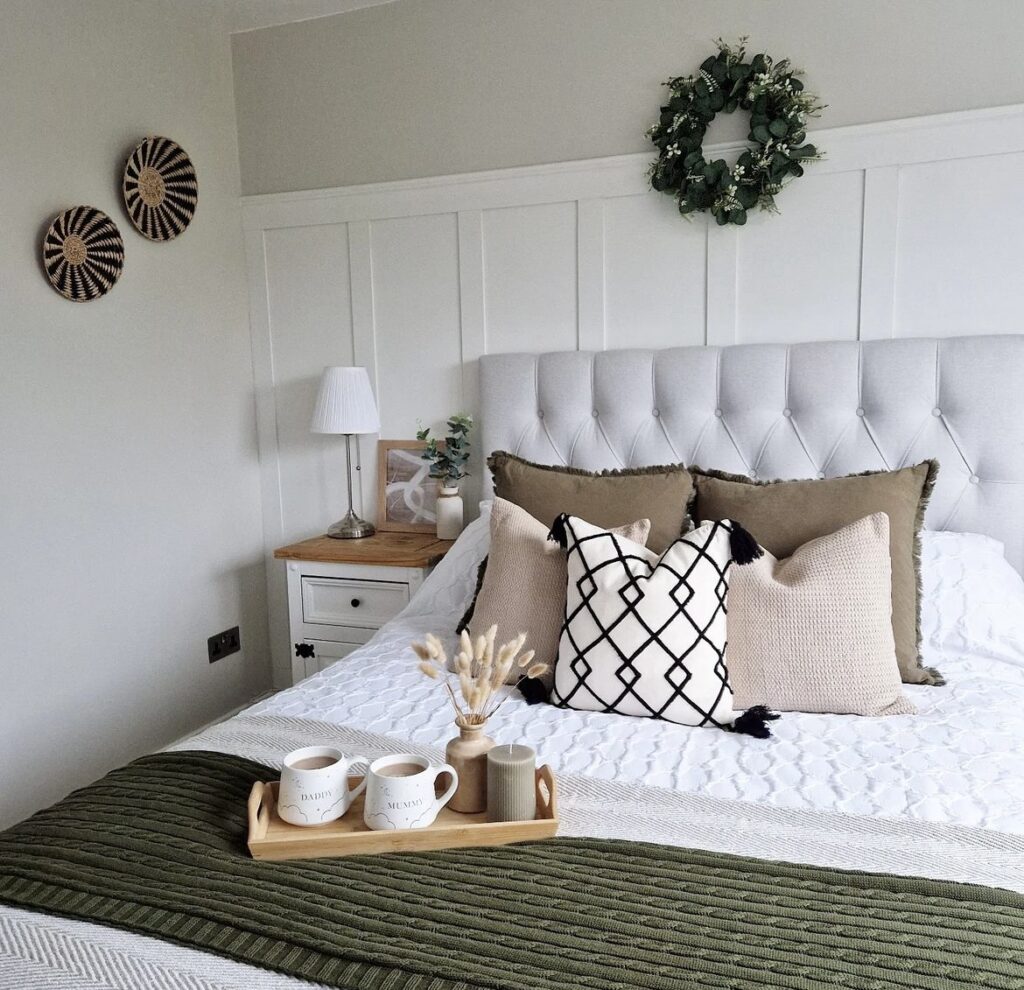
[(907, 228), (984, 201), (799, 272), (642, 239)]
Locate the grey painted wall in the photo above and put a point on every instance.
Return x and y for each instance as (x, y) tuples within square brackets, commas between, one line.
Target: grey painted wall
[(434, 87), (129, 490)]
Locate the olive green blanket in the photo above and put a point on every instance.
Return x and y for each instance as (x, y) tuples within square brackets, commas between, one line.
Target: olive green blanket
[(158, 847)]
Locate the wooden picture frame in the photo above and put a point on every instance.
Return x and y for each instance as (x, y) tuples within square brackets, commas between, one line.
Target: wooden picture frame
[(406, 494)]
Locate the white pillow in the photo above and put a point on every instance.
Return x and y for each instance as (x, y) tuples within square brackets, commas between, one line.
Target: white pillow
[(972, 599), (645, 635), (450, 586)]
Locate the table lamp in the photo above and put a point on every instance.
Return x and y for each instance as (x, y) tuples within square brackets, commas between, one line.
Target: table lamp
[(345, 405)]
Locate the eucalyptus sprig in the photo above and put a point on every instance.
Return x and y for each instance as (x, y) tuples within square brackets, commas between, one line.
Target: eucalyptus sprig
[(448, 462), (779, 108)]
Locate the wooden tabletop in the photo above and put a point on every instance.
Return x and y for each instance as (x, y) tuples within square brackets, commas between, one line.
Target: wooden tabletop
[(381, 549)]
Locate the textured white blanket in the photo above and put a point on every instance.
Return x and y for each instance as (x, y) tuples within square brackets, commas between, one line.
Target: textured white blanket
[(59, 954), (890, 795)]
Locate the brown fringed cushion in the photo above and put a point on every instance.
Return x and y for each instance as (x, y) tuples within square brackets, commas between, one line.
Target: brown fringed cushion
[(783, 515), (604, 498)]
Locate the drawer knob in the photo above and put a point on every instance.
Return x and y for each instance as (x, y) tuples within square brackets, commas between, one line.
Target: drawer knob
[(305, 650), (356, 603)]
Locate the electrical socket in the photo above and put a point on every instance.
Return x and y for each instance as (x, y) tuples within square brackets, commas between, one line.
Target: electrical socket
[(224, 644)]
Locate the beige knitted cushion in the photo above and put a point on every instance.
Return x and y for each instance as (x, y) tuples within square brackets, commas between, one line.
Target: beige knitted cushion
[(524, 585), (813, 632)]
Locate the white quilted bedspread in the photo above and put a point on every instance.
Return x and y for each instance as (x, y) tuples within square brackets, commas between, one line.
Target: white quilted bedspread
[(960, 760)]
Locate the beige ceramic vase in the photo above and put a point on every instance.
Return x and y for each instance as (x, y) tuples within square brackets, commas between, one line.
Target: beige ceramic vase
[(467, 752)]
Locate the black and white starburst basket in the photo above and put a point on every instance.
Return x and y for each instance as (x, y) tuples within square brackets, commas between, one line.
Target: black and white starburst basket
[(645, 635), (83, 253), (160, 189)]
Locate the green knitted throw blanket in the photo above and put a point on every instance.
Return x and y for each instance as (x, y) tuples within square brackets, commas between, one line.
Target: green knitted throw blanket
[(158, 847)]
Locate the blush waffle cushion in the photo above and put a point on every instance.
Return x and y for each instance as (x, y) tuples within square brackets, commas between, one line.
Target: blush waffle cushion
[(813, 632), (523, 587), (783, 515)]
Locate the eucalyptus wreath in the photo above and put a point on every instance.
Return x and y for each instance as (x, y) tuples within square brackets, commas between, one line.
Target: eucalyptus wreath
[(779, 107)]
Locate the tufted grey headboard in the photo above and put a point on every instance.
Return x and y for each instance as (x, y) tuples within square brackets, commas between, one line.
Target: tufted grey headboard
[(783, 411)]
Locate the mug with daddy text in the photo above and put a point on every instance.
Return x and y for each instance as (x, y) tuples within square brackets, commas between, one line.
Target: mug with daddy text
[(314, 785)]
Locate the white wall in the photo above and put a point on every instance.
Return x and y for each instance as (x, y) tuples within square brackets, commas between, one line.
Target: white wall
[(129, 489), (906, 229), (436, 87)]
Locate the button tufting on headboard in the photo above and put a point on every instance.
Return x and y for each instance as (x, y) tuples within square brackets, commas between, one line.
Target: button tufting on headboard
[(783, 411)]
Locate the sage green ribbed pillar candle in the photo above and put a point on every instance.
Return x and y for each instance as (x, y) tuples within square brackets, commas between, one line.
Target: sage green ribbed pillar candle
[(511, 784)]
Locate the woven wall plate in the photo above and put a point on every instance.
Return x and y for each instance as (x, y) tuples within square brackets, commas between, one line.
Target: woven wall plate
[(83, 253), (160, 189)]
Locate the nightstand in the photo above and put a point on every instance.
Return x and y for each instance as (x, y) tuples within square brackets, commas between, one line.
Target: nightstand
[(340, 592)]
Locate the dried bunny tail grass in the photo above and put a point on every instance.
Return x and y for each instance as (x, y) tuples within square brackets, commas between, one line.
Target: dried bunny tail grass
[(490, 635), (430, 670), (524, 660), (421, 651), (478, 697), (459, 713), (498, 674), (463, 663), (537, 670), (480, 650), (466, 646), (486, 693)]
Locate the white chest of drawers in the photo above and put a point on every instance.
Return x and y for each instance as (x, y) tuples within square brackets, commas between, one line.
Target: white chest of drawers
[(340, 592)]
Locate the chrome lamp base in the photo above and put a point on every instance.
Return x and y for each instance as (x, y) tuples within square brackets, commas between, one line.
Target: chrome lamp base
[(351, 528)]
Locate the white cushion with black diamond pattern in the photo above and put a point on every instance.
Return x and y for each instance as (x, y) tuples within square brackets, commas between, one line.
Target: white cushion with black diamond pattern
[(645, 635)]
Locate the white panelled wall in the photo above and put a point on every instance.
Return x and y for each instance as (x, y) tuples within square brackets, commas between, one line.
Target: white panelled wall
[(907, 228)]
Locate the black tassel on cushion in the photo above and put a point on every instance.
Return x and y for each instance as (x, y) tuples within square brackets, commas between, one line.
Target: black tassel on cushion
[(754, 722), (558, 534), (745, 549), (533, 691)]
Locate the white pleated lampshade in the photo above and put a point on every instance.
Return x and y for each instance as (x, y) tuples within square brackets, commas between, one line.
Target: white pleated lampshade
[(345, 403)]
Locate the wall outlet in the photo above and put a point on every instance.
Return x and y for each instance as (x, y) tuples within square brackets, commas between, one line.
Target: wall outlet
[(224, 644)]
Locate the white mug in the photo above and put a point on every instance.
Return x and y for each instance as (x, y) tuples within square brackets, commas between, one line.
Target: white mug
[(314, 785), (400, 792)]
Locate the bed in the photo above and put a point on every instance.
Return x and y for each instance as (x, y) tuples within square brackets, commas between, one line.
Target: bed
[(937, 796)]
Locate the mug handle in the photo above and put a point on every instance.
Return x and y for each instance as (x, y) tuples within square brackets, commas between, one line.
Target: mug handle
[(452, 787), (358, 789)]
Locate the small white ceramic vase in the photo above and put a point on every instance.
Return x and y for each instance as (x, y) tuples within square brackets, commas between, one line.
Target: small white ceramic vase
[(449, 513)]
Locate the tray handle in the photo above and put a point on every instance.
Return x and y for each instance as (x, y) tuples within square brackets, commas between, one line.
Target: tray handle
[(546, 805), (261, 798)]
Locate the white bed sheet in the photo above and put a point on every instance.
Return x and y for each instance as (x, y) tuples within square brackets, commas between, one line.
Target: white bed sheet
[(959, 760)]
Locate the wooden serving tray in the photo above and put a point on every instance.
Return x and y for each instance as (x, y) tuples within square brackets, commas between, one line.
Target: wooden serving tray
[(272, 838)]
